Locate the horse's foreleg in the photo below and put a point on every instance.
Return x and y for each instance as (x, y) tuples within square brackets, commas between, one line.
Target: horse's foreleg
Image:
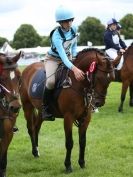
[(68, 142), (131, 94), (4, 144), (3, 163), (3, 173), (82, 145), (82, 142), (123, 95)]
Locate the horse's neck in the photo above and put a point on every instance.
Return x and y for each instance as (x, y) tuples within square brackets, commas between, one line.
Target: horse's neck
[(129, 51), (77, 85), (82, 62)]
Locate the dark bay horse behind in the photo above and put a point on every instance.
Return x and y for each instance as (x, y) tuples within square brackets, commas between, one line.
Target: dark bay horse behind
[(126, 75), (9, 105), (74, 103)]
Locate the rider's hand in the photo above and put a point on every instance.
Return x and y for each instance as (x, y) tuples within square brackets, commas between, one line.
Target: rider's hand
[(79, 74), (122, 51)]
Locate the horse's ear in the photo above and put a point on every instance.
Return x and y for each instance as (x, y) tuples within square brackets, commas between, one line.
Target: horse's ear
[(17, 57), (117, 59)]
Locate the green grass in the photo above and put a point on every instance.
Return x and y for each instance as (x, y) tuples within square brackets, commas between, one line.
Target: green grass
[(22, 68), (109, 149)]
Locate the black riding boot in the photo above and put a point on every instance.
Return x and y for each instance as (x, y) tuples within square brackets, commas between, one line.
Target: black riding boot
[(46, 113)]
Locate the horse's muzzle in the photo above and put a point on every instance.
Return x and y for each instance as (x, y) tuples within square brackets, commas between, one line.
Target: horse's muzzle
[(14, 107)]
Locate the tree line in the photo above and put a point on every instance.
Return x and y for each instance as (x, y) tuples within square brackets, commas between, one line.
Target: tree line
[(91, 29)]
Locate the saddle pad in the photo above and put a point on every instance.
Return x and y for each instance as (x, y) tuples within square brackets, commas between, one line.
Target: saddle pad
[(37, 84)]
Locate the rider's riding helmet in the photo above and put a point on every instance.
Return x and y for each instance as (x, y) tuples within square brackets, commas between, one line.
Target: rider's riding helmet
[(112, 21), (62, 13)]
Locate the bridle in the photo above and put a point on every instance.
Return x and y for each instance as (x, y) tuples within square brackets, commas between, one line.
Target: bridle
[(89, 93)]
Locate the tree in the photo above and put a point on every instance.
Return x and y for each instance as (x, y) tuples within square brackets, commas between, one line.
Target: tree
[(92, 30), (45, 41), (26, 36), (127, 26), (2, 41)]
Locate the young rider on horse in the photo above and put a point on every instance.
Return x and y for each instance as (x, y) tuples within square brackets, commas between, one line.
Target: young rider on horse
[(63, 49), (113, 42)]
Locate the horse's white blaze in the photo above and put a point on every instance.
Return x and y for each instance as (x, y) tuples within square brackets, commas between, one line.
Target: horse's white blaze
[(12, 75)]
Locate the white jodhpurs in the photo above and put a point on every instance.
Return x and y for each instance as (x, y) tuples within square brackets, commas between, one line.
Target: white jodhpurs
[(51, 64), (112, 53)]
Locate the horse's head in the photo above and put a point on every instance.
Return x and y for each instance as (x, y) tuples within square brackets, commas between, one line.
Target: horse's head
[(9, 86), (103, 75), (100, 73)]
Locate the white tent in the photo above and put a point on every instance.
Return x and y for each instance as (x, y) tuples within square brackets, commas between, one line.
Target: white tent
[(7, 49), (38, 50)]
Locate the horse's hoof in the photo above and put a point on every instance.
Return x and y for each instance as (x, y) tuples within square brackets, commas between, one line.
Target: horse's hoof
[(120, 110), (82, 166), (2, 173), (36, 154), (81, 163), (68, 170)]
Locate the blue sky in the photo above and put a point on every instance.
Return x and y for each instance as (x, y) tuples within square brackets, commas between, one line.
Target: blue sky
[(40, 13)]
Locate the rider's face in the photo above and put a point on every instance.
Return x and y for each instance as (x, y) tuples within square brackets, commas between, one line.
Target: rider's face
[(113, 26), (66, 24)]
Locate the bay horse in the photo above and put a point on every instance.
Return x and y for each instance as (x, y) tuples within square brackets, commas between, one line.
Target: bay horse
[(9, 105), (126, 76), (73, 103)]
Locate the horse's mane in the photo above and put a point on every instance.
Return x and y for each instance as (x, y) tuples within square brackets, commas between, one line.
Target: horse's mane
[(90, 50)]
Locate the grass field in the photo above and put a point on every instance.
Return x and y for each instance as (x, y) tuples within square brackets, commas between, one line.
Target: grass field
[(109, 149)]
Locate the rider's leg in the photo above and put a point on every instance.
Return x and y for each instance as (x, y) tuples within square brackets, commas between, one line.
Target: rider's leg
[(50, 67), (46, 112)]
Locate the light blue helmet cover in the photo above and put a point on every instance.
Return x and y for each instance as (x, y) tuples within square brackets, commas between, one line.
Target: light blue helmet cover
[(62, 13)]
